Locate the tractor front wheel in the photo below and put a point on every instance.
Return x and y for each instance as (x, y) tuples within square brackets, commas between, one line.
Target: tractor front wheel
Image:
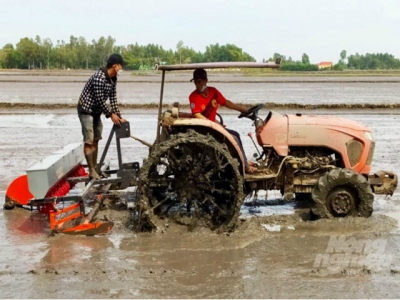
[(341, 193)]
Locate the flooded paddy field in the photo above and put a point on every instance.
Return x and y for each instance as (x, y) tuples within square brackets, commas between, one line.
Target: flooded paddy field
[(275, 252), (63, 88)]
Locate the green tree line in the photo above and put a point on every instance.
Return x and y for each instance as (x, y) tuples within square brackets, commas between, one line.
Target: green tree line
[(80, 54), (374, 61)]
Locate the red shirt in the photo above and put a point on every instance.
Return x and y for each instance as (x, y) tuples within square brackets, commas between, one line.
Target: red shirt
[(206, 106)]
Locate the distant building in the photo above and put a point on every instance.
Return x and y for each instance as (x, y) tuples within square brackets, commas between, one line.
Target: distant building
[(325, 65)]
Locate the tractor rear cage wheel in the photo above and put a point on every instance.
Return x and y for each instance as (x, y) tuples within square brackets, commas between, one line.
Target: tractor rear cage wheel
[(340, 193), (190, 178)]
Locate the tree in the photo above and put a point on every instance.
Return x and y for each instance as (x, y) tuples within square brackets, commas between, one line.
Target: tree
[(373, 61), (83, 53), (211, 53), (305, 59), (228, 52), (298, 66), (72, 52), (275, 56), (38, 42), (198, 57), (47, 49), (182, 54), (10, 58), (102, 49), (179, 47), (29, 51), (343, 55)]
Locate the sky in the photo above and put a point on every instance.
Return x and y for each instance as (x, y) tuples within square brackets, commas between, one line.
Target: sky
[(319, 28)]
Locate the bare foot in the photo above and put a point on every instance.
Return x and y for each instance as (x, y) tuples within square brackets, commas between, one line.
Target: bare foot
[(250, 163), (93, 174), (250, 169)]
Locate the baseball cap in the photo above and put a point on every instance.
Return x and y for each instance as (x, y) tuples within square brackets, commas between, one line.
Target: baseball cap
[(116, 59), (199, 74)]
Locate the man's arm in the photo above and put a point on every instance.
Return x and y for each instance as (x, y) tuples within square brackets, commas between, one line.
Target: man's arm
[(231, 105), (114, 102), (199, 116), (116, 114)]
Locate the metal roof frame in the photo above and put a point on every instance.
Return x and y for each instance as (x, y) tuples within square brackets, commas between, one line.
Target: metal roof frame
[(209, 65), (218, 65)]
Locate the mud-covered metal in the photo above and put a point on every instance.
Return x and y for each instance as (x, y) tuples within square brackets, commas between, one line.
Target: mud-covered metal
[(342, 192), (341, 201), (192, 179), (383, 182)]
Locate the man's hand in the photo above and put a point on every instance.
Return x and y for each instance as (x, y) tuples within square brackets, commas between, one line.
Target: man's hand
[(199, 116), (117, 120)]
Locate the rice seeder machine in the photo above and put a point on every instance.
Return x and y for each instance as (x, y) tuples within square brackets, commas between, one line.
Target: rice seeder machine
[(48, 186)]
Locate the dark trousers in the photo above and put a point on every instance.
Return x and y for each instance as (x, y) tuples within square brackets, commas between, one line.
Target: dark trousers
[(236, 136)]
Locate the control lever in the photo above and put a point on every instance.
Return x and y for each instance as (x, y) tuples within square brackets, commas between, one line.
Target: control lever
[(251, 136)]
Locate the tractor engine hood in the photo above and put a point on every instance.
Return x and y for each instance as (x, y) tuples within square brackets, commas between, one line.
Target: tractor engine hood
[(285, 131), (326, 121)]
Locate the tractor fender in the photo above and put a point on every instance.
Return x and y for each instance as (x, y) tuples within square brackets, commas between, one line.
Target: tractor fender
[(218, 131)]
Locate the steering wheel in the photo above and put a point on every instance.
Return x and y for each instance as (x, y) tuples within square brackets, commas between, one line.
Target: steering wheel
[(251, 111)]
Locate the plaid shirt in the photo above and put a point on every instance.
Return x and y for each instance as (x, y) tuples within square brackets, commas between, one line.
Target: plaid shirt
[(97, 90)]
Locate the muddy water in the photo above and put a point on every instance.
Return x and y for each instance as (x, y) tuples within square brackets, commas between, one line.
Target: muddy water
[(275, 253)]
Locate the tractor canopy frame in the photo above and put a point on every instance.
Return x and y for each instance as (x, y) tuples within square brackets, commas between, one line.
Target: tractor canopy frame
[(210, 65)]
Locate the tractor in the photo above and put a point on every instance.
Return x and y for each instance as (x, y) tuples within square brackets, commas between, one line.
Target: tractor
[(195, 172)]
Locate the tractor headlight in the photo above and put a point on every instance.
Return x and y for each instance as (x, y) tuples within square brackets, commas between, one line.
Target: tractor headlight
[(369, 136)]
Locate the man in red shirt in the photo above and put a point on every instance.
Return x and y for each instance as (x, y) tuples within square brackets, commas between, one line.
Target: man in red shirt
[(204, 103)]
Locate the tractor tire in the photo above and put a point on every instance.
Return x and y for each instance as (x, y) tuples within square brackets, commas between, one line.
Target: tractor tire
[(191, 179), (341, 193)]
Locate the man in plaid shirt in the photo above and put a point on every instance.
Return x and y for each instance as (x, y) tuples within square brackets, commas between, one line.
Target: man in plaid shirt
[(92, 103)]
